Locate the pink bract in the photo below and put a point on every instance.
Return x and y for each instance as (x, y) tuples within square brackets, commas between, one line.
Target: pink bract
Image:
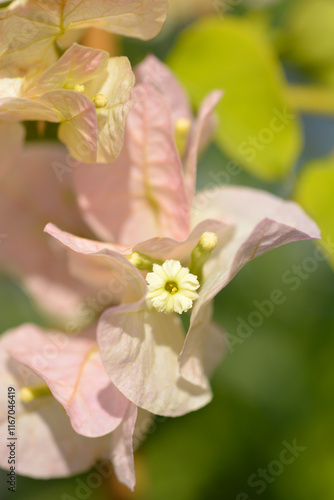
[(73, 371), (145, 203)]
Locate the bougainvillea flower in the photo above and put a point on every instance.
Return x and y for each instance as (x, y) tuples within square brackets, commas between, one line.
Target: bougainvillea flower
[(33, 193), (48, 368), (30, 28), (86, 91), (171, 287), (143, 204)]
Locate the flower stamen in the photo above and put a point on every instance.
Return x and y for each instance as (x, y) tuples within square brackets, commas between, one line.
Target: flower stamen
[(171, 287)]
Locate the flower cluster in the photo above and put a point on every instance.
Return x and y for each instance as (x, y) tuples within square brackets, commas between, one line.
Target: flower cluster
[(119, 345)]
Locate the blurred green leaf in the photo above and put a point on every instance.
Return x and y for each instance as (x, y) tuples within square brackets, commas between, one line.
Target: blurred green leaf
[(315, 192), (307, 38), (256, 126), (16, 306)]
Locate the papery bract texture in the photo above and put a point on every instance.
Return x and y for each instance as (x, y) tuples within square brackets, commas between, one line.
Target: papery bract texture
[(147, 204), (144, 207), (30, 28), (144, 351), (90, 132), (71, 369)]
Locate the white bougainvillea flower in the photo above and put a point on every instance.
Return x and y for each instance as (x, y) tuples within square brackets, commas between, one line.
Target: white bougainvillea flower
[(171, 287), (85, 91), (51, 372), (31, 29), (144, 204)]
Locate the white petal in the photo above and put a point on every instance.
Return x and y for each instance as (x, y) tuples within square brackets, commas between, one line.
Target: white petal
[(171, 267)]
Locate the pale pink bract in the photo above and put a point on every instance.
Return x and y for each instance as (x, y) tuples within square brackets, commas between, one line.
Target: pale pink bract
[(144, 203), (102, 418)]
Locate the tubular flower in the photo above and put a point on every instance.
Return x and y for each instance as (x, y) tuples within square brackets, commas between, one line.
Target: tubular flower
[(171, 287)]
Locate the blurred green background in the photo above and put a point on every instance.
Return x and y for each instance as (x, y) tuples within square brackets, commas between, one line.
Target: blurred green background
[(275, 387)]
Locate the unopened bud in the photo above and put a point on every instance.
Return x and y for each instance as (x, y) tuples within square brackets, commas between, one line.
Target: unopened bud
[(208, 241), (140, 261), (28, 394), (79, 88), (181, 134), (100, 100), (202, 252)]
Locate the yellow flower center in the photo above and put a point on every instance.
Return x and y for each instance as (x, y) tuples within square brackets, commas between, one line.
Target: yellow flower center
[(171, 287)]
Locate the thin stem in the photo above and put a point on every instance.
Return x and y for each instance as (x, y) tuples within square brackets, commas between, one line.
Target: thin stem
[(311, 99), (100, 39)]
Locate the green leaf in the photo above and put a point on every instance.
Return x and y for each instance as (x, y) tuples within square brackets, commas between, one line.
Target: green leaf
[(315, 193), (307, 38), (256, 126)]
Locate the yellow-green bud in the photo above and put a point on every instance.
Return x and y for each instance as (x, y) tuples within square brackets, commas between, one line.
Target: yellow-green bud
[(181, 134), (79, 88), (30, 393), (202, 252), (100, 100), (208, 241), (140, 261)]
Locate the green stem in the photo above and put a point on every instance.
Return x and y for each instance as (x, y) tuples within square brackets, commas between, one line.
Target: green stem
[(311, 99)]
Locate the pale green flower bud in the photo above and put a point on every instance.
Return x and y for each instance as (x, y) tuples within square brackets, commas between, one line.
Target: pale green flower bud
[(28, 394), (181, 134), (202, 252)]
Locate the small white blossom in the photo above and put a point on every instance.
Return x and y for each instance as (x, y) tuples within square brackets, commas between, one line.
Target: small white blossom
[(171, 287)]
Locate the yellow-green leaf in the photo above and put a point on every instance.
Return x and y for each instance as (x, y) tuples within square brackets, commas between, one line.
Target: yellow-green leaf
[(256, 126), (308, 35), (315, 192)]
